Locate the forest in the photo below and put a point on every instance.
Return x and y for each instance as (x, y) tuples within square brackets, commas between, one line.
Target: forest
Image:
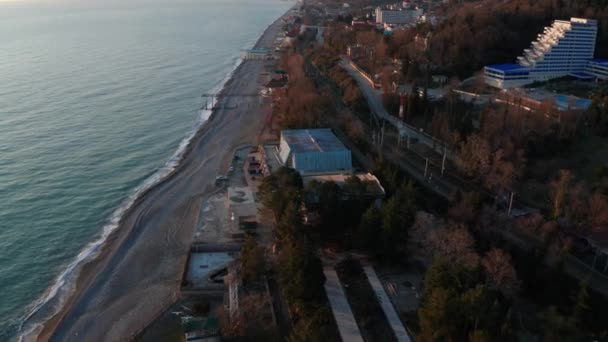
[(480, 33)]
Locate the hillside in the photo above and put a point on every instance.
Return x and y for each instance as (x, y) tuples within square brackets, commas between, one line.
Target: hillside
[(478, 33)]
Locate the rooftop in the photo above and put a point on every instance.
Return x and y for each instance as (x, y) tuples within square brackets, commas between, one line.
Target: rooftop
[(506, 67), (600, 61), (312, 140), (581, 75), (374, 187), (257, 51), (277, 82)]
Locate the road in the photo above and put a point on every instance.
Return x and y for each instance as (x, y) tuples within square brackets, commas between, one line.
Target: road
[(349, 331), (446, 185), (409, 163), (374, 100), (387, 306)]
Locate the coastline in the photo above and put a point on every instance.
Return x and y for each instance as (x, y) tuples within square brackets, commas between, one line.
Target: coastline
[(115, 250)]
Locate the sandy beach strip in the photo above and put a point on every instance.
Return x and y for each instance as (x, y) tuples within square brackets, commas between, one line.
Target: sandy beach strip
[(138, 272)]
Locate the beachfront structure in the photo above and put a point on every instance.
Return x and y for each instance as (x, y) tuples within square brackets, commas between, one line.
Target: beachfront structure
[(314, 151), (256, 54), (564, 48), (398, 16)]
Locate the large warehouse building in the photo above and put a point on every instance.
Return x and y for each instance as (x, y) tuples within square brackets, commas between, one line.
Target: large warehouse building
[(314, 151)]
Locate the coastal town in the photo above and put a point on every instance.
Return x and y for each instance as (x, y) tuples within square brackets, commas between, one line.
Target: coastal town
[(394, 178), (357, 198)]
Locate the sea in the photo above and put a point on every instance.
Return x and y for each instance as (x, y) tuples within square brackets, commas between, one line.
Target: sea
[(98, 99)]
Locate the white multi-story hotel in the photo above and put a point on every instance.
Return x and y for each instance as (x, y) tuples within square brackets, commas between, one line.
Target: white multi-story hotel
[(398, 16), (564, 48)]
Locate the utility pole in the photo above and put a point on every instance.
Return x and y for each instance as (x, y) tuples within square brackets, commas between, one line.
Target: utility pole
[(510, 204), (445, 153), (382, 134), (426, 166)]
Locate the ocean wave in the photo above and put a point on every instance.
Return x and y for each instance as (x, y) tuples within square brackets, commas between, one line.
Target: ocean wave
[(53, 299)]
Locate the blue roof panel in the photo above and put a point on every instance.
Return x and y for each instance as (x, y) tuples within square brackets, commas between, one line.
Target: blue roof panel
[(507, 67), (601, 61), (312, 140), (581, 75)]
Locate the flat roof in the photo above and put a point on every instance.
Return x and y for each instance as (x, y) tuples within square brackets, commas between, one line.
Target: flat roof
[(201, 265), (581, 75), (506, 67), (341, 178), (600, 61), (312, 140)]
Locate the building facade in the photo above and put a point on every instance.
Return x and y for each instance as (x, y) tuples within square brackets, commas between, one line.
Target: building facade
[(314, 151), (564, 48)]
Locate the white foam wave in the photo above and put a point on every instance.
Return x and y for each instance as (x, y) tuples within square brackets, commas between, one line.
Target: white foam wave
[(54, 298)]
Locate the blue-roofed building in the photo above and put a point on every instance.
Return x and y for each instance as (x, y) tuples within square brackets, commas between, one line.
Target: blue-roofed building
[(314, 152), (598, 68), (565, 48), (506, 75)]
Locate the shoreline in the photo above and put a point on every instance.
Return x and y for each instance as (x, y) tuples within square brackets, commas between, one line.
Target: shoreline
[(89, 270)]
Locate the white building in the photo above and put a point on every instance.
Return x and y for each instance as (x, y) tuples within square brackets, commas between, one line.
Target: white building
[(564, 48), (314, 151), (398, 16)]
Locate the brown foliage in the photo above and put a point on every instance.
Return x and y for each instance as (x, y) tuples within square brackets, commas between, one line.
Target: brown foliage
[(255, 316), (598, 211), (474, 156), (500, 272), (302, 107), (501, 174), (559, 190), (454, 242), (535, 226), (474, 34), (465, 208)]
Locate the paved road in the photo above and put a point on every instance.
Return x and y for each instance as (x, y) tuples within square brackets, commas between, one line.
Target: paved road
[(445, 185), (349, 331), (385, 302), (374, 100), (449, 183)]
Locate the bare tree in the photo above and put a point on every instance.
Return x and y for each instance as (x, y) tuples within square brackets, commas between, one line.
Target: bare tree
[(501, 173), (577, 208), (598, 211), (474, 156), (500, 272), (465, 207), (454, 242), (559, 190)]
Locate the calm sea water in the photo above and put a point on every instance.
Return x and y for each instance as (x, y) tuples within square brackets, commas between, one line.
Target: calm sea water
[(95, 98)]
